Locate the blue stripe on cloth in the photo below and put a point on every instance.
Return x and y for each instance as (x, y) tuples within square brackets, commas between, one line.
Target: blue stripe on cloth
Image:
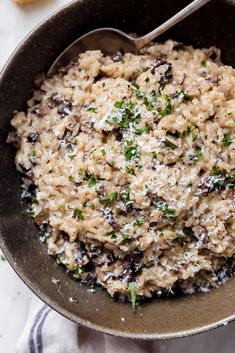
[(31, 345), (39, 342)]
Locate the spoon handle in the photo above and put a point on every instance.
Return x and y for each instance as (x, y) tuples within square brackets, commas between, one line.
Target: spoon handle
[(185, 12)]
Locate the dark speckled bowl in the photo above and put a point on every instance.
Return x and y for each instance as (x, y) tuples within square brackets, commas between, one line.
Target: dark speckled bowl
[(212, 25)]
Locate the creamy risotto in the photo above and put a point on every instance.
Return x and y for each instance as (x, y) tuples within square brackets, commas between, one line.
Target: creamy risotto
[(129, 163)]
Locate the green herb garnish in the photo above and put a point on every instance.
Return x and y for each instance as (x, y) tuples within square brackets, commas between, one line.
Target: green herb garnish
[(103, 151), (228, 180), (112, 234), (124, 236), (168, 108), (170, 144), (188, 131), (133, 295), (165, 208), (92, 109), (128, 114), (154, 155), (139, 222), (151, 104), (138, 93), (227, 140), (109, 197), (144, 130), (78, 214), (185, 97), (217, 172), (91, 180), (125, 195), (131, 151), (197, 156)]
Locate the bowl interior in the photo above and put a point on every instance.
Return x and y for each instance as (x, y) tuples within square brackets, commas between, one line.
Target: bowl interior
[(212, 25)]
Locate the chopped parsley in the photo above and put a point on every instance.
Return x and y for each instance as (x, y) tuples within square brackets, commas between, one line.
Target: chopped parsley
[(128, 114), (165, 208), (125, 236), (168, 108), (109, 198), (33, 153), (228, 180), (194, 137), (227, 140), (170, 144), (154, 155), (78, 214), (2, 258), (133, 295), (131, 151), (138, 93), (151, 104), (139, 222), (92, 109), (125, 195), (112, 234), (185, 97), (103, 151), (217, 172), (197, 156), (144, 130), (147, 79), (91, 180), (188, 131)]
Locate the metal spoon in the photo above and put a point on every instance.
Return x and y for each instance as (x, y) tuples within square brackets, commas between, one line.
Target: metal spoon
[(111, 40)]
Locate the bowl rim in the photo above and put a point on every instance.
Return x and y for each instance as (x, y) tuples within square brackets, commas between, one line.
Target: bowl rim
[(46, 298)]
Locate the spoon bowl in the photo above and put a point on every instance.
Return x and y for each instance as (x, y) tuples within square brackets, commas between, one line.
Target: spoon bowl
[(112, 40), (109, 40)]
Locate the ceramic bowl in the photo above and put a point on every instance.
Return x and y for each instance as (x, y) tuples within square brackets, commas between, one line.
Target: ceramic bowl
[(173, 317)]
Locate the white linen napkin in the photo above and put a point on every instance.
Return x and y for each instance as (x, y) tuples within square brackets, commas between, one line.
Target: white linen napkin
[(46, 331)]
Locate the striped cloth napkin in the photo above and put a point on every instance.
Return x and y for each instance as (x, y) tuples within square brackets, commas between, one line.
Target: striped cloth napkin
[(46, 331)]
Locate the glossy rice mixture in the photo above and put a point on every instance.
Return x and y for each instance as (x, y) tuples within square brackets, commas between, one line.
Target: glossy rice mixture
[(130, 163)]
